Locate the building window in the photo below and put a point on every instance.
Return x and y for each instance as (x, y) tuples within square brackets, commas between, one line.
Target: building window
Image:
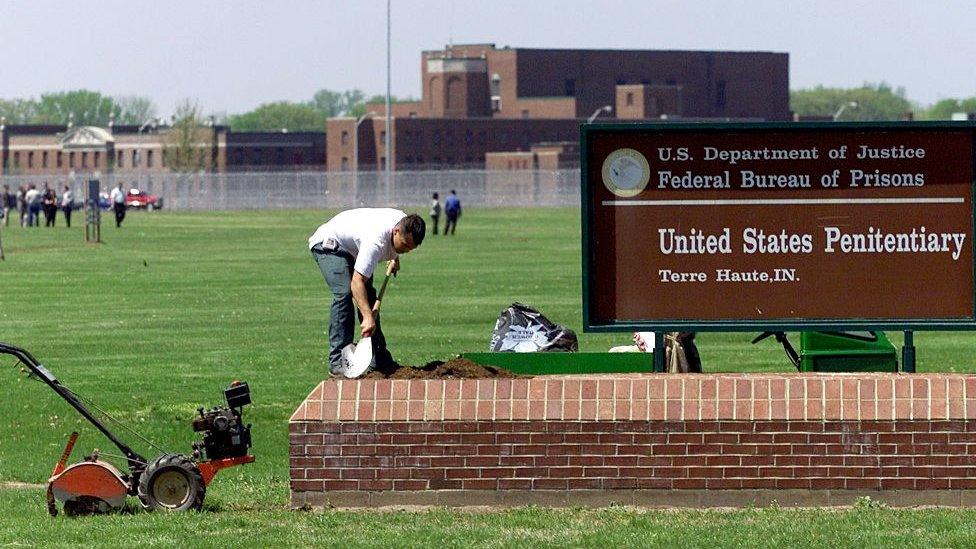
[(383, 137), (630, 99), (71, 160), (383, 162), (84, 160), (496, 92), (44, 159), (345, 164), (60, 160), (98, 158), (135, 159), (162, 158), (120, 162), (344, 140), (525, 113), (720, 95), (149, 159), (437, 137), (570, 87), (30, 160), (16, 160)]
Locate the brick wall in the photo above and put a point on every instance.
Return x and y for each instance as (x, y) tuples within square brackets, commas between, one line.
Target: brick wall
[(653, 439)]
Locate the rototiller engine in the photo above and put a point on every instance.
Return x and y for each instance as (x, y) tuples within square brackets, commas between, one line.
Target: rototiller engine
[(172, 481)]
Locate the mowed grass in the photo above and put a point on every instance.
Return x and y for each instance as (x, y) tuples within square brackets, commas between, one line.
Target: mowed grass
[(158, 319)]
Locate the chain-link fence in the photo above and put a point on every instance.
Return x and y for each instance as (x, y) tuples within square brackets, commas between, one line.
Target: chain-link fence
[(272, 190)]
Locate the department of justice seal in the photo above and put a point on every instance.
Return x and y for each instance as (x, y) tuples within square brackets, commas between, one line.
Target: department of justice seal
[(626, 172)]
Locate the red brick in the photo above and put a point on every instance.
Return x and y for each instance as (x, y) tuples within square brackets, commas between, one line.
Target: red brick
[(749, 472), (547, 484), (514, 484), (932, 484), (335, 485), (688, 483), (758, 483), (828, 483), (411, 484), (620, 483)]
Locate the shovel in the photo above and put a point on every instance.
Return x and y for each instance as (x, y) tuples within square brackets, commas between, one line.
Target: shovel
[(358, 358)]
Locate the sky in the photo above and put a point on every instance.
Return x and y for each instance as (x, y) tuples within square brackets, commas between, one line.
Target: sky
[(231, 56)]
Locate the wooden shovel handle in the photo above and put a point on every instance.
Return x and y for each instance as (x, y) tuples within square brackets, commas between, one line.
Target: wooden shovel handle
[(379, 296)]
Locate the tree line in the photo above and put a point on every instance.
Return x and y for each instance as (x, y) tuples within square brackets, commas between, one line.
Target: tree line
[(86, 107), (91, 108), (872, 102)]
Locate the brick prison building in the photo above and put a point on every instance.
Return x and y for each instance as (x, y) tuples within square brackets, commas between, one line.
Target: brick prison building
[(131, 150), (480, 101)]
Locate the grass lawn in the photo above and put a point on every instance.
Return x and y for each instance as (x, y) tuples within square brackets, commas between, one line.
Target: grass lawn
[(156, 321)]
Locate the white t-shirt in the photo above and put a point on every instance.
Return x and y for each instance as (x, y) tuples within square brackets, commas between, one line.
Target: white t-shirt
[(118, 197), (364, 233), (33, 196), (67, 198)]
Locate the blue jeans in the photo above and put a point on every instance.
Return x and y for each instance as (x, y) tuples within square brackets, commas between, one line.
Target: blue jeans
[(337, 271), (33, 215)]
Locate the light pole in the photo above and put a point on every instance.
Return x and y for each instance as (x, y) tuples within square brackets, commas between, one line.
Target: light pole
[(851, 104), (596, 113), (355, 137), (386, 145)]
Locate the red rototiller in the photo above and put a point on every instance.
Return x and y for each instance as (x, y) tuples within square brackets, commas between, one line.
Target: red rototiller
[(171, 481)]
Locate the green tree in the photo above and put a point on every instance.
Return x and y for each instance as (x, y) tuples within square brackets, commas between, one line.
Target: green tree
[(282, 115), (334, 103), (83, 107), (943, 110), (188, 142), (133, 110), (18, 111), (874, 102), (359, 109)]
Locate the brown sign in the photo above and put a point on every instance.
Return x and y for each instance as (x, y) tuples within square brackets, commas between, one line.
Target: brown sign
[(788, 225)]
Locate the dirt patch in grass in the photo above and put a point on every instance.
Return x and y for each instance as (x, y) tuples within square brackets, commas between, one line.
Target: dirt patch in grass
[(456, 368)]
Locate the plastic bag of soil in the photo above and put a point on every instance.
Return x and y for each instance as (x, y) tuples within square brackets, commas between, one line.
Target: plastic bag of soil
[(522, 329), (681, 354)]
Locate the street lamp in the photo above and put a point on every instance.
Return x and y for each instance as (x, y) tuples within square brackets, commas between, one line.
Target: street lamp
[(355, 137), (851, 104), (606, 108)]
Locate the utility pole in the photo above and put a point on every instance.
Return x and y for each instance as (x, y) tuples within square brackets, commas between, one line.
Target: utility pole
[(386, 144)]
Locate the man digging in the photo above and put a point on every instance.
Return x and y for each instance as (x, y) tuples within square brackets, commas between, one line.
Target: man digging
[(347, 249)]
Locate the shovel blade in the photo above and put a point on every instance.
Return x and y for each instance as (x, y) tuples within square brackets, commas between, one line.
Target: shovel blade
[(360, 360)]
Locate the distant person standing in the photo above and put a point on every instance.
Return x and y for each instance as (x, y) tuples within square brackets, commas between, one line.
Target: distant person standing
[(117, 198), (33, 199), (49, 203), (435, 210), (22, 204), (9, 204), (67, 202), (452, 208)]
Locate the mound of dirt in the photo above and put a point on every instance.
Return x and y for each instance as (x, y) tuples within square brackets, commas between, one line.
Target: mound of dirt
[(456, 368)]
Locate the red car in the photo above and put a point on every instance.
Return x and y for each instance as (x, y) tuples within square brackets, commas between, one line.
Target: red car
[(139, 199)]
